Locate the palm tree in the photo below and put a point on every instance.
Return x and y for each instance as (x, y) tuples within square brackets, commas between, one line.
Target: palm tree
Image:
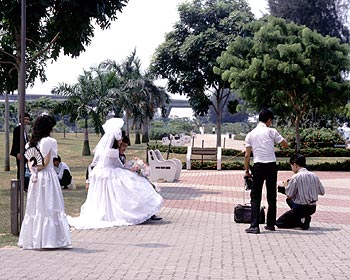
[(91, 98), (151, 98), (138, 94), (128, 73)]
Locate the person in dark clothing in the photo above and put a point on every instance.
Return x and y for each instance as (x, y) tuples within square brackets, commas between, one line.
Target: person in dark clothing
[(16, 146)]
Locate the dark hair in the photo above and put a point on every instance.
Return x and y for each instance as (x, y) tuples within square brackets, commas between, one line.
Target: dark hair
[(265, 115), (58, 158), (42, 127), (126, 140), (26, 115), (298, 159)]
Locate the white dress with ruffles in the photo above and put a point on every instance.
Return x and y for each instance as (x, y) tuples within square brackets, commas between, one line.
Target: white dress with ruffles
[(116, 196), (45, 224)]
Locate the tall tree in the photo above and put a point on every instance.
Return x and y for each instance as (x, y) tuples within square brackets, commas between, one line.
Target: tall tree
[(152, 97), (89, 98), (187, 56), (137, 94), (287, 67), (129, 74), (8, 83), (52, 26), (328, 17)]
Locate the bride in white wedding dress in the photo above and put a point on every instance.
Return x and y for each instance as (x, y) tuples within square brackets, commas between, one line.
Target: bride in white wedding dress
[(116, 196)]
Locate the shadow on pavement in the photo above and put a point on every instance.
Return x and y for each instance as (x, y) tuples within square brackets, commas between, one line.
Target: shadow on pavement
[(183, 193)]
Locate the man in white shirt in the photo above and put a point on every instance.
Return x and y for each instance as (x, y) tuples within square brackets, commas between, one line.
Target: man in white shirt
[(261, 141), (302, 193), (63, 172)]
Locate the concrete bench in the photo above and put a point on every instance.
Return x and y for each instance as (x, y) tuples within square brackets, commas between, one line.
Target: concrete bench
[(161, 169), (178, 163), (215, 153)]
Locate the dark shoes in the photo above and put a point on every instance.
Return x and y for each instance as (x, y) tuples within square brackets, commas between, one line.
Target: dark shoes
[(155, 218), (254, 230), (270, 228), (306, 224)]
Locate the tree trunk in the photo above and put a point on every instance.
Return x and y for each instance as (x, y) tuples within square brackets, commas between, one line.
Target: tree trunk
[(86, 146), (145, 131), (297, 135), (7, 133), (137, 133), (127, 129), (137, 137)]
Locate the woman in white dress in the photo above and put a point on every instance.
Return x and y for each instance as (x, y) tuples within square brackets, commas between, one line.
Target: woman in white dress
[(116, 196), (45, 224)]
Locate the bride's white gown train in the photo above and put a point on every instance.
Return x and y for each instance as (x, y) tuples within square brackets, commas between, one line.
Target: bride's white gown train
[(116, 196)]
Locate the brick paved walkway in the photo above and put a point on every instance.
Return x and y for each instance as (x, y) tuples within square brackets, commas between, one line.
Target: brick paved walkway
[(197, 239)]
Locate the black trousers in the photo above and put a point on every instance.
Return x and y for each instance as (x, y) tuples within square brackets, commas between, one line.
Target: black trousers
[(66, 178), (26, 179), (264, 172), (292, 218)]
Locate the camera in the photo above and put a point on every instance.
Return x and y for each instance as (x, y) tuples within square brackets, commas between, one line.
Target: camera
[(281, 189), (248, 182)]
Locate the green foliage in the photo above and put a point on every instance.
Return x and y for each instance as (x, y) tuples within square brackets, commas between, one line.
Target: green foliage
[(187, 56), (313, 137), (287, 153), (89, 98), (288, 68), (52, 27), (136, 94), (324, 166), (327, 17), (161, 128), (315, 152), (42, 105), (238, 165)]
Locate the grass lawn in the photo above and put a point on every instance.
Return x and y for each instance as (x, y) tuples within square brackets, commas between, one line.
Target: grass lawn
[(70, 148)]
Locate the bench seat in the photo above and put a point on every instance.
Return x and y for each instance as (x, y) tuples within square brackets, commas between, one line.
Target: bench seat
[(215, 153)]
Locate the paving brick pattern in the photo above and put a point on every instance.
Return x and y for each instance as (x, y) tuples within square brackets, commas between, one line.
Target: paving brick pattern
[(198, 239)]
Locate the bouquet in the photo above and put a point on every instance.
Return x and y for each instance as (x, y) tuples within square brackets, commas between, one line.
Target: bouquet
[(139, 166)]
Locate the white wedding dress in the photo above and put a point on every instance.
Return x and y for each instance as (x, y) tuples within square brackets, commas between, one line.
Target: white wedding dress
[(116, 196), (45, 224)]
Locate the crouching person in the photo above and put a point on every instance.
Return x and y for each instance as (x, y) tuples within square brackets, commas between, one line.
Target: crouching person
[(63, 172), (302, 192)]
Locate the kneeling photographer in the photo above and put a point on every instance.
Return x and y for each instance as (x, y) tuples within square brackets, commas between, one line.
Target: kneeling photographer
[(302, 192)]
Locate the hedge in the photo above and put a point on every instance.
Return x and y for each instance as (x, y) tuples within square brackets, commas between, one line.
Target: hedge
[(309, 152), (326, 166)]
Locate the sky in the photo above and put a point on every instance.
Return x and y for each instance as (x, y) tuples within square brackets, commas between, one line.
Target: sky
[(141, 25)]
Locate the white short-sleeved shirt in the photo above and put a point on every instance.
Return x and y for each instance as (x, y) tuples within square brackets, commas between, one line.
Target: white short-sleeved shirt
[(262, 140), (60, 169)]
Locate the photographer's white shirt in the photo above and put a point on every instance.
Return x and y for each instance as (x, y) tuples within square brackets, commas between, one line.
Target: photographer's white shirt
[(262, 140)]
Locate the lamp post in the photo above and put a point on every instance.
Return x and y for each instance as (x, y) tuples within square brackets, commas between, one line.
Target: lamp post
[(21, 98)]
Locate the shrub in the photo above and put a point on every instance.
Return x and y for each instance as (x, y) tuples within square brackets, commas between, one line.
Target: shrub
[(313, 137), (235, 165)]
